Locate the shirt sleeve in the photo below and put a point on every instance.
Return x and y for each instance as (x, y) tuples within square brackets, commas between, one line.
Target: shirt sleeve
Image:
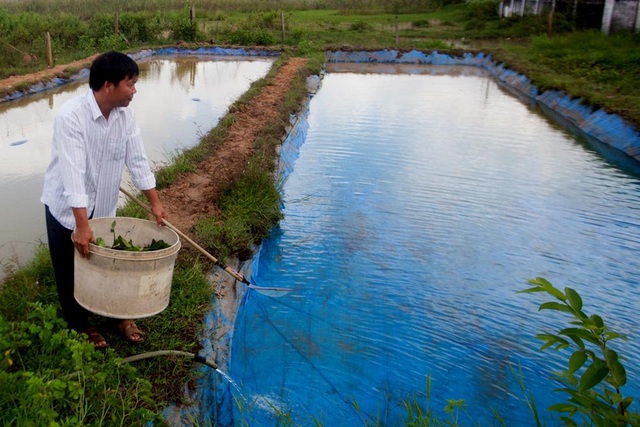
[(68, 137), (136, 156)]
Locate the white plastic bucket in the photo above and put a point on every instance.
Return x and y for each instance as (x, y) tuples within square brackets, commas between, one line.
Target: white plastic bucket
[(125, 284)]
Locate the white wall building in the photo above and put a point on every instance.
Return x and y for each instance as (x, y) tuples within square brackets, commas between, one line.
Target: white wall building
[(610, 16)]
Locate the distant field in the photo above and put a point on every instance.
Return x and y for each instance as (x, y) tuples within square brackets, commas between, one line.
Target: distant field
[(601, 70)]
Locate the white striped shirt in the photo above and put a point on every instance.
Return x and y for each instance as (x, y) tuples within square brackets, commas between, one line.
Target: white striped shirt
[(87, 160)]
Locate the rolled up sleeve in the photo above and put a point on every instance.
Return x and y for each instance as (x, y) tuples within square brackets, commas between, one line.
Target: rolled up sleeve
[(73, 160)]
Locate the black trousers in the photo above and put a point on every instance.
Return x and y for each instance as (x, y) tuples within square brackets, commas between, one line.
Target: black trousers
[(62, 250)]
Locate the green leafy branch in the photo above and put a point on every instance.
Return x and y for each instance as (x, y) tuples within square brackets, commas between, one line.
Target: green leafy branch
[(592, 363)]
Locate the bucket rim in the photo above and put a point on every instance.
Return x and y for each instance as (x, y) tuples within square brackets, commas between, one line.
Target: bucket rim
[(138, 255)]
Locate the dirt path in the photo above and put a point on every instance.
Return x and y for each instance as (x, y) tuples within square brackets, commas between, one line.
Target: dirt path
[(194, 195), (44, 75)]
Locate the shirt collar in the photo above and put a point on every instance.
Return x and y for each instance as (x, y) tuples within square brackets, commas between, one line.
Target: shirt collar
[(93, 104), (95, 109)]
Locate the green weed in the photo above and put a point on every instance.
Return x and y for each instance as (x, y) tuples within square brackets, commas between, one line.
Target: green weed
[(50, 375)]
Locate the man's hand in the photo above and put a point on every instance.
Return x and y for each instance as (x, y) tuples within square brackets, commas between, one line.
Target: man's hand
[(159, 213), (156, 206), (82, 235)]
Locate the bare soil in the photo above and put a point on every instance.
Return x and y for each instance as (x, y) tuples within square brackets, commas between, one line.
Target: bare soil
[(194, 195), (44, 75)]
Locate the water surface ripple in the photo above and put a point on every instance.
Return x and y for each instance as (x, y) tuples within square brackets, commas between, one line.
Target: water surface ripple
[(418, 206)]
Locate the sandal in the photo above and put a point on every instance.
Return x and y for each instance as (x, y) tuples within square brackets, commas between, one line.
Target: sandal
[(130, 331), (96, 338)]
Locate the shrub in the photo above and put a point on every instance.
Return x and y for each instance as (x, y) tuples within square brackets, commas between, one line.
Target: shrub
[(259, 37), (360, 26), (141, 26), (484, 10)]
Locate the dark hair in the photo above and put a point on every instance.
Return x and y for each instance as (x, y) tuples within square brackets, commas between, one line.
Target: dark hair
[(111, 67)]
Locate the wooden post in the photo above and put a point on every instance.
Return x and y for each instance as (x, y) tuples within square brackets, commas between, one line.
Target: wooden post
[(193, 14), (116, 22), (396, 30), (282, 24), (47, 42), (550, 28)]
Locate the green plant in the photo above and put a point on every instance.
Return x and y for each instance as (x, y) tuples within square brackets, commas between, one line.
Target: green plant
[(360, 26), (182, 28), (50, 375), (253, 36), (595, 374), (484, 10), (420, 23), (249, 209)]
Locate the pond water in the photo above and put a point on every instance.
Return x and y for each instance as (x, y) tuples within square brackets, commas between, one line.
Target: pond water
[(418, 206), (179, 99)]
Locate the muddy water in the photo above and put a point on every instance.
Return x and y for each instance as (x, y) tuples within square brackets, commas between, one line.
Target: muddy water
[(179, 99)]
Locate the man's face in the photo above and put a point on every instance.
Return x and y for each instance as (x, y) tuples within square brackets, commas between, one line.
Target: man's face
[(122, 94)]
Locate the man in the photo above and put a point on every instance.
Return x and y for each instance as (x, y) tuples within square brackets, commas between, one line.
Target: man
[(94, 136)]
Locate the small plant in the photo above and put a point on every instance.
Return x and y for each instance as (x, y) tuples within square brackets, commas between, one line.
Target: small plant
[(360, 26), (594, 375), (421, 23)]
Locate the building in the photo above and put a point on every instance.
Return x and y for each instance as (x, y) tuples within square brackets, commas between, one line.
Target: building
[(610, 16)]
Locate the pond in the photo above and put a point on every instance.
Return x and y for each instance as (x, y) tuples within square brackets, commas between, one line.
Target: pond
[(179, 99), (420, 202)]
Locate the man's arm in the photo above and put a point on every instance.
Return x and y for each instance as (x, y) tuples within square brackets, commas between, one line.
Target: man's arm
[(156, 206)]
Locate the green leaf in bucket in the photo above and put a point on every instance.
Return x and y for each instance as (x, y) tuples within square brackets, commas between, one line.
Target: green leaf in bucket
[(156, 245), (120, 243)]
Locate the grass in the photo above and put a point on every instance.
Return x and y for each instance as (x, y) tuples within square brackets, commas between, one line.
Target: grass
[(600, 70)]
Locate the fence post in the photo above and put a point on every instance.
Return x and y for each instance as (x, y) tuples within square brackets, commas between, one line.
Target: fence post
[(116, 22), (193, 14), (47, 42), (282, 24)]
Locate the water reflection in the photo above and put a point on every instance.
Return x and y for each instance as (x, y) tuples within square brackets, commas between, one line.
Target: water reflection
[(417, 207), (178, 100)]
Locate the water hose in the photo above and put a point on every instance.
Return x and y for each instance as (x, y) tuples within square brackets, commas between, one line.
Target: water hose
[(195, 357), (270, 291)]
